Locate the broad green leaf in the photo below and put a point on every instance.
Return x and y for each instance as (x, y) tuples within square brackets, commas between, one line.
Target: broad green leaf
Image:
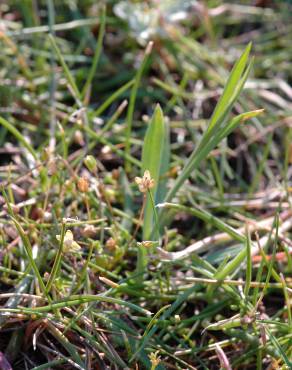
[(152, 161), (164, 168)]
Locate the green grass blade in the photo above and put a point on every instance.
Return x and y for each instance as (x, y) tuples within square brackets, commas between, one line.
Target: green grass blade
[(232, 89), (133, 96), (18, 136), (104, 141), (231, 266), (27, 247), (199, 155), (31, 260), (248, 274), (213, 137), (68, 74), (57, 260), (206, 217), (97, 53), (113, 97), (279, 349), (169, 311), (113, 118), (65, 342), (235, 263), (222, 226), (78, 300), (288, 304), (270, 264)]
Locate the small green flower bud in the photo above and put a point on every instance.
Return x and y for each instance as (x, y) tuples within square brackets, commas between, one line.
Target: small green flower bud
[(90, 163)]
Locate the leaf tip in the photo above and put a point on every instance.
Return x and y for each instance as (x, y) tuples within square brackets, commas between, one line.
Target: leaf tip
[(158, 112), (252, 114)]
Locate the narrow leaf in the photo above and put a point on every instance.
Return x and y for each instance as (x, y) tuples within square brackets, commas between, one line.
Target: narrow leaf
[(248, 274), (97, 53), (18, 136), (132, 102), (69, 76), (232, 89)]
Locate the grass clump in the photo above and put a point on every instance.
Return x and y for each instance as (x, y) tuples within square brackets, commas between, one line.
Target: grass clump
[(145, 176)]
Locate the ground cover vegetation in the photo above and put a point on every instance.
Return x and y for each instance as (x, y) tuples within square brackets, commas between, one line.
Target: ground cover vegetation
[(145, 174)]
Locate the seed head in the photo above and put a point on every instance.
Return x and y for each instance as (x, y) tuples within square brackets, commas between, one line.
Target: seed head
[(145, 183), (83, 184), (111, 244)]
